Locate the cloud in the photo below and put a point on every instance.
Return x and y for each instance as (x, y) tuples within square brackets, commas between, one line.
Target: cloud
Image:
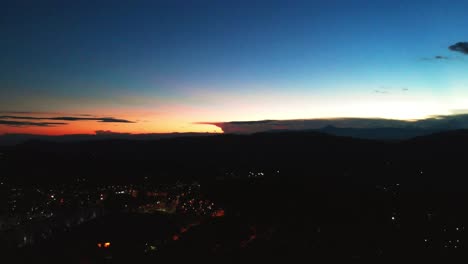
[(69, 118), (101, 119), (459, 121), (24, 119), (303, 124), (26, 113), (252, 122), (460, 47), (437, 57), (381, 92), (390, 89), (38, 124), (114, 120)]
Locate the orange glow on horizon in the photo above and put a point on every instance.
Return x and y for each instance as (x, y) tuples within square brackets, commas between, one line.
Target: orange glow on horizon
[(170, 117), (90, 128), (168, 120)]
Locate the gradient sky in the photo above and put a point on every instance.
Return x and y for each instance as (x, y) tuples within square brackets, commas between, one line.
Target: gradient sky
[(163, 66)]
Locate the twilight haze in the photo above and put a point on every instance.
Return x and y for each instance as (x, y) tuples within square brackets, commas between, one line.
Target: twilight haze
[(76, 67)]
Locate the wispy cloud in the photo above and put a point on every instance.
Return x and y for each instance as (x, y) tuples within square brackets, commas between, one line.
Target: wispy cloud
[(70, 118), (28, 113), (389, 90), (36, 124), (461, 47), (436, 58), (381, 92), (41, 119)]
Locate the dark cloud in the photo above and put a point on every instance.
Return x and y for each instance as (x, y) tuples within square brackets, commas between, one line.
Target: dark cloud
[(19, 119), (236, 123), (28, 113), (251, 122), (114, 120), (459, 121), (460, 47), (69, 118), (23, 117), (304, 124), (437, 57), (99, 119), (38, 124)]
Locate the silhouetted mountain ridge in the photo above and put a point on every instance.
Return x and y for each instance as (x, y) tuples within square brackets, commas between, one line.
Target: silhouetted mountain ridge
[(199, 157)]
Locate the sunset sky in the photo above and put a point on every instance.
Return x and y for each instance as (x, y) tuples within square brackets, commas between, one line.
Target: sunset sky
[(74, 67)]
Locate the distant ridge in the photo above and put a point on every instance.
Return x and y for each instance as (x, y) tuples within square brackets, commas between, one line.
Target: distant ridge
[(369, 128), (14, 139), (383, 133), (305, 153)]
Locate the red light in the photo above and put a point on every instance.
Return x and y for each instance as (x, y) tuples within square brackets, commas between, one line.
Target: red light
[(175, 237), (219, 213), (99, 245)]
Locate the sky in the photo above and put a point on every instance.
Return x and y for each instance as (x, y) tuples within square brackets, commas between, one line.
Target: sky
[(76, 67)]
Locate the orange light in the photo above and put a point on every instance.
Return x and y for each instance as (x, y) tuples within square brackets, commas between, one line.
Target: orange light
[(218, 213), (107, 244)]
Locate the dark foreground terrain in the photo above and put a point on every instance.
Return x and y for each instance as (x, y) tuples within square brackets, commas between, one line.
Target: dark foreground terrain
[(276, 197)]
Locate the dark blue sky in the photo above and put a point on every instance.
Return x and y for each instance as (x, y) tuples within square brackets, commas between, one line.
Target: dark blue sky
[(177, 62)]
